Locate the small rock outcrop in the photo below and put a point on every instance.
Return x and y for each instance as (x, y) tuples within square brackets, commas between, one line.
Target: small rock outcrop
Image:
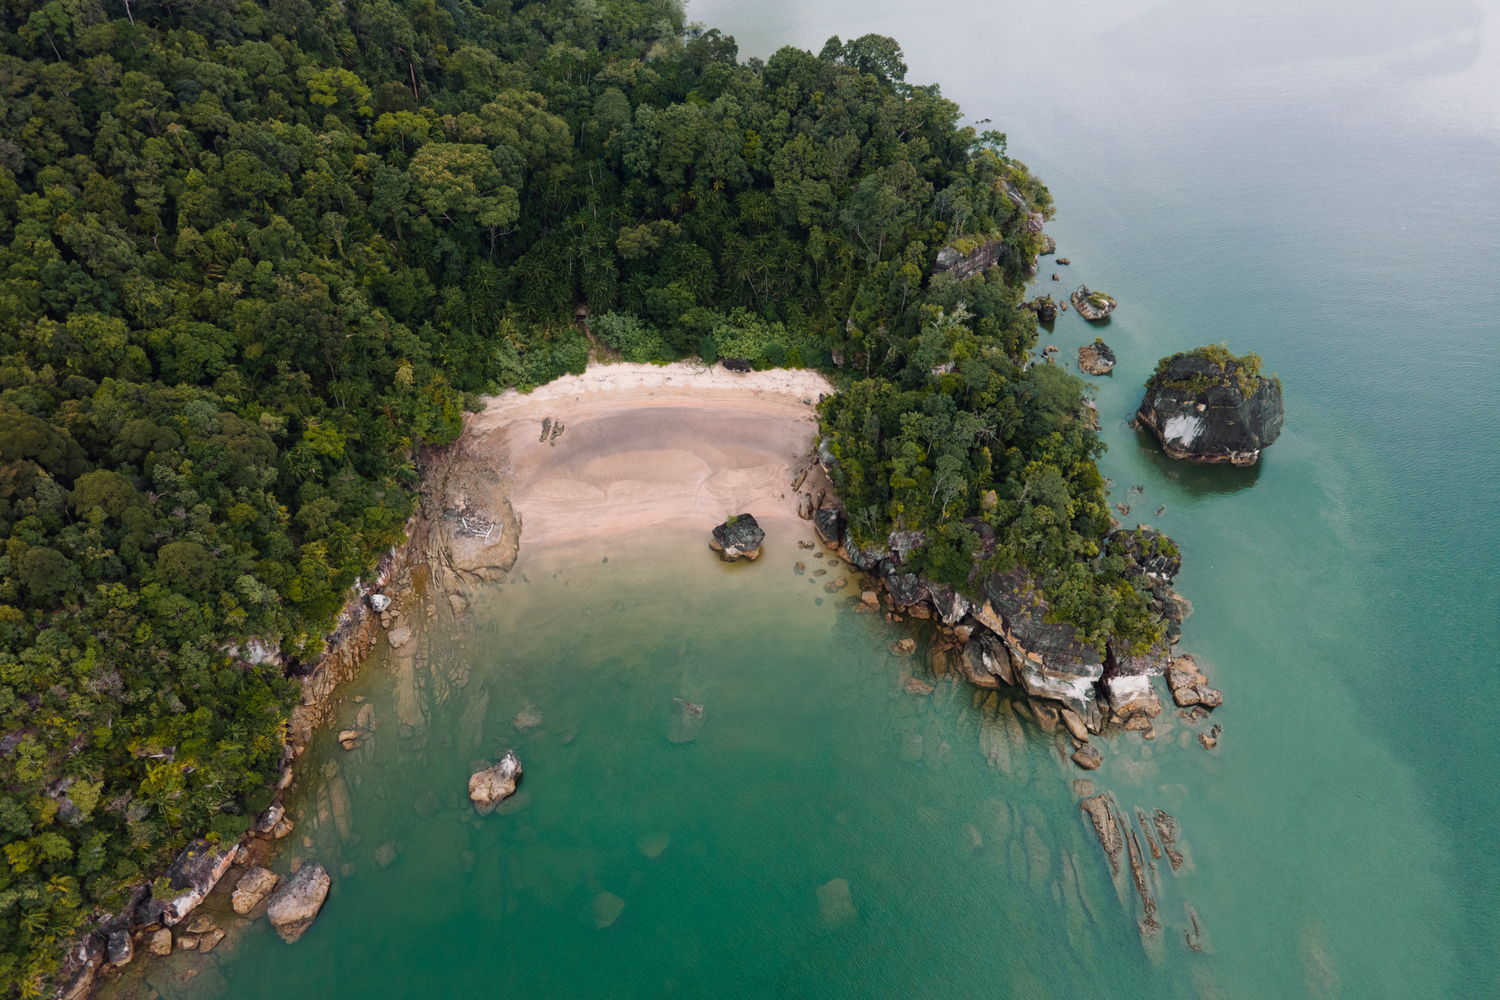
[(1096, 358), (1189, 686), (739, 537), (255, 885), (1087, 757), (1211, 407), (740, 365), (1092, 305), (488, 788), (295, 904), (966, 257), (1049, 246), (1044, 307)]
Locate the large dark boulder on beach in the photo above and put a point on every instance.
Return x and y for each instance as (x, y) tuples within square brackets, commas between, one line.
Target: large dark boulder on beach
[(829, 523), (1212, 407), (739, 537)]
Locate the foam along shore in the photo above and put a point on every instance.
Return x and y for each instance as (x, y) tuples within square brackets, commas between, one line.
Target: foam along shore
[(627, 446)]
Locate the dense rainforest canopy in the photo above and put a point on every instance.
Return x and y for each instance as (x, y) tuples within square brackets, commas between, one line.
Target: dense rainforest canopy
[(254, 254)]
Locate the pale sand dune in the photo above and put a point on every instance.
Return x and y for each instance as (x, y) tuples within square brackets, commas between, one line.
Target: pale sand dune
[(645, 445)]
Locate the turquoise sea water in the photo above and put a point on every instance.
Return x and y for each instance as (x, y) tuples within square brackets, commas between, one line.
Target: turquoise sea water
[(1312, 182)]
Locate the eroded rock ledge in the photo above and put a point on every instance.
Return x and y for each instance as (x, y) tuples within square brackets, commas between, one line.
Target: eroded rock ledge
[(1004, 638)]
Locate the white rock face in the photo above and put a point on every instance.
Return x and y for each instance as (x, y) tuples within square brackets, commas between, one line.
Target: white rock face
[(488, 788), (379, 602), (1133, 696), (296, 903), (1182, 429)]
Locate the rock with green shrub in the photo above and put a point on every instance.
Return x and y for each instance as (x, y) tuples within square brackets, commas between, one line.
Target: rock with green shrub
[(1092, 305), (1209, 406)]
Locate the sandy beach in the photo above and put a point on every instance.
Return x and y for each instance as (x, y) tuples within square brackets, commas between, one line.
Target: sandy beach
[(647, 445)]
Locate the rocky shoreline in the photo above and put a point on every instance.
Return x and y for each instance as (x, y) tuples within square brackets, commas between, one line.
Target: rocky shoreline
[(463, 536), (1004, 640)]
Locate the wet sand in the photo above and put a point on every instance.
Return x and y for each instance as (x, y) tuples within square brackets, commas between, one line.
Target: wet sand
[(645, 445)]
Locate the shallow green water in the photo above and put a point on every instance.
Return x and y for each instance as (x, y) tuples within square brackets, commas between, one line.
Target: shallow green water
[(1312, 182), (813, 764)]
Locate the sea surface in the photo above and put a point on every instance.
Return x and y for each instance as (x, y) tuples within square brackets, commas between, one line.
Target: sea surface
[(1314, 182)]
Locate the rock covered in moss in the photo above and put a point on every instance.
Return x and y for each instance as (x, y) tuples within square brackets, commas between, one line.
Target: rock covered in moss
[(1209, 406), (968, 256), (739, 537), (1044, 307), (1092, 305), (1146, 551)]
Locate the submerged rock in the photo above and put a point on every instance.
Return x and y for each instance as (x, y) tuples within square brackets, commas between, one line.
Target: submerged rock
[(607, 909), (1097, 809), (1209, 406), (295, 904), (1096, 358), (739, 537), (687, 719), (488, 788), (1092, 305), (1087, 757), (835, 903), (903, 647)]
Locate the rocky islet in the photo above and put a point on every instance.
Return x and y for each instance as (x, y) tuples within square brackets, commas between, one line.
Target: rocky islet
[(1210, 407)]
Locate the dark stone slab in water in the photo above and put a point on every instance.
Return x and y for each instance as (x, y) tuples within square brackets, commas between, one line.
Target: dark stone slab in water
[(687, 719)]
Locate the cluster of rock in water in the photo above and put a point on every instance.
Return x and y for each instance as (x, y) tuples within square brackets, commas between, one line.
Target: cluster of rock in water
[(1038, 671), (159, 926)]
